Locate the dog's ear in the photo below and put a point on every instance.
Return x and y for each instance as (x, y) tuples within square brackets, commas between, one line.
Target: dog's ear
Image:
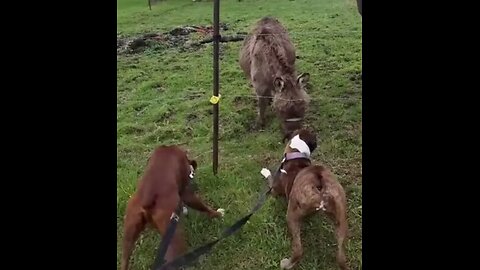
[(310, 137), (290, 134), (312, 146), (287, 136), (319, 177), (193, 162), (312, 143)]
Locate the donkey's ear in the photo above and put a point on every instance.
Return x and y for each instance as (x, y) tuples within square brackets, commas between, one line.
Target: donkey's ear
[(278, 83), (303, 79), (193, 162)]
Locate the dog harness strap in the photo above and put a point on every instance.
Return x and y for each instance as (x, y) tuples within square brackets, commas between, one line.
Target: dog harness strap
[(167, 238), (189, 257), (174, 218), (280, 167), (295, 155), (237, 225), (192, 256), (290, 156)]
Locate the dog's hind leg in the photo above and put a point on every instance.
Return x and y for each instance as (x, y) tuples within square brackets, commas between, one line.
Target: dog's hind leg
[(192, 200), (341, 231), (336, 210), (294, 222), (178, 245), (134, 224)]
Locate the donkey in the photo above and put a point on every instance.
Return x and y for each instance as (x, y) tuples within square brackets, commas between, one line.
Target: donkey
[(267, 58)]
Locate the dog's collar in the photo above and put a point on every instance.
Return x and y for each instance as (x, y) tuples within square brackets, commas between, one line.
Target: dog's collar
[(291, 156), (295, 155), (303, 152)]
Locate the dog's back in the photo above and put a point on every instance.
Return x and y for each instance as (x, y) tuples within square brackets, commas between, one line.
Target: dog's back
[(316, 183), (316, 189), (166, 172)]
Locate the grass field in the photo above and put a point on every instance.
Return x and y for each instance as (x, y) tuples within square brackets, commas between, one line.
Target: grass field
[(162, 98)]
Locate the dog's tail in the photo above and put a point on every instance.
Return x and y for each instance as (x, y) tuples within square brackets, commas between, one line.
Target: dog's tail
[(337, 197), (317, 171)]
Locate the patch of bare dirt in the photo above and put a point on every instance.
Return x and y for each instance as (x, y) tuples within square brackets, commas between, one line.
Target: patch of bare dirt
[(185, 37)]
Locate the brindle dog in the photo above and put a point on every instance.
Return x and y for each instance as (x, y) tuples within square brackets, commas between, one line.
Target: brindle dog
[(308, 189)]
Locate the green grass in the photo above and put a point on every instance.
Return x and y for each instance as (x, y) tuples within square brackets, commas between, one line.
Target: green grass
[(162, 98)]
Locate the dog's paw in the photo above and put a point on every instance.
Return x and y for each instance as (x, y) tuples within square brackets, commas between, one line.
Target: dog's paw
[(185, 210), (266, 172), (286, 264), (221, 211)]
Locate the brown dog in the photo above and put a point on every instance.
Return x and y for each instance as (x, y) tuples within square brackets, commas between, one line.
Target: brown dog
[(308, 189), (161, 188)]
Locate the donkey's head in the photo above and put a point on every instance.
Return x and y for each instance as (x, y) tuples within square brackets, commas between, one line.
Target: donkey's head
[(290, 101)]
